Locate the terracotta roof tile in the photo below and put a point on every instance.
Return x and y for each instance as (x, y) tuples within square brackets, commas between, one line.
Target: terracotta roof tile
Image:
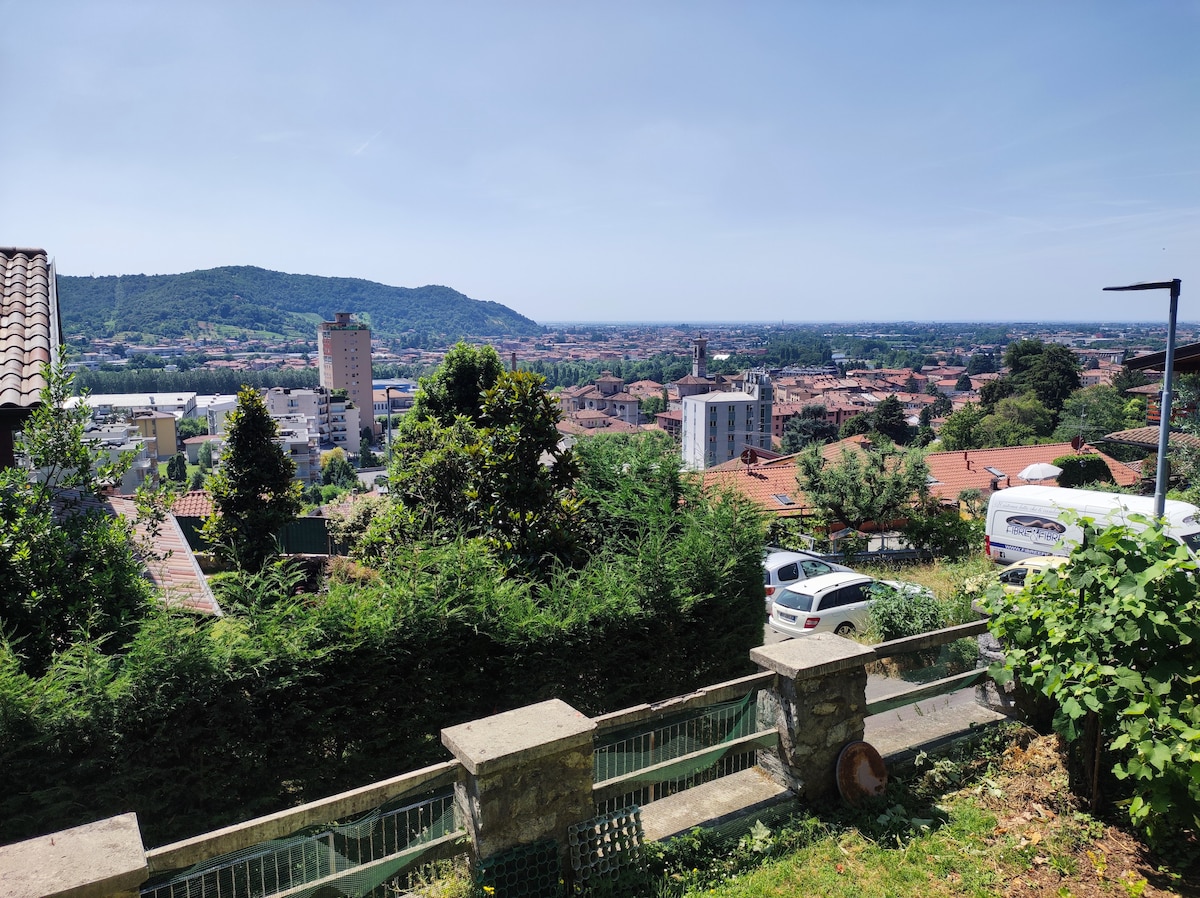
[(958, 471), (193, 504), (29, 330)]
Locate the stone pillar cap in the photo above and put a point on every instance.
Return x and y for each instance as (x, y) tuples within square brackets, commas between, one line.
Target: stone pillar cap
[(812, 656), (519, 736), (89, 861)]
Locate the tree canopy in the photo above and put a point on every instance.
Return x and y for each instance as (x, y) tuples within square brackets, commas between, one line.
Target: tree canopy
[(862, 486), (253, 492)]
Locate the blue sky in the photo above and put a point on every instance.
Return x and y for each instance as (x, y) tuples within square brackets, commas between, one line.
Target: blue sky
[(688, 161)]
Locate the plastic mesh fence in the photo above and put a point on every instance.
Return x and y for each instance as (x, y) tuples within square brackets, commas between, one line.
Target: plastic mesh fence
[(351, 860), (605, 846), (623, 754), (528, 871)]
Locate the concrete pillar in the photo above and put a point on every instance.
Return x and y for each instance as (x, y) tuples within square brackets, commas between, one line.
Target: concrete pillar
[(105, 859), (819, 700), (528, 775)]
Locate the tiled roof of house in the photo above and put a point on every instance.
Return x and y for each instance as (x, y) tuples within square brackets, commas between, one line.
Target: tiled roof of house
[(193, 504), (772, 486), (29, 325), (958, 471), (1148, 437), (172, 567)]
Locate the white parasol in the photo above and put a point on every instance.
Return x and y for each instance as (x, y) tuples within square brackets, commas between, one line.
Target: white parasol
[(1041, 470)]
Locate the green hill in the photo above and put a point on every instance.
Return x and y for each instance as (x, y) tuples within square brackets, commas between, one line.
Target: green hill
[(222, 302)]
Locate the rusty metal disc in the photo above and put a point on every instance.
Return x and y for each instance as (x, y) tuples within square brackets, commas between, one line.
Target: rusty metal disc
[(861, 773)]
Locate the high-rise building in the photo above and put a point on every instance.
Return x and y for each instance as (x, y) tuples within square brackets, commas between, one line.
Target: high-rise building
[(719, 426), (345, 348)]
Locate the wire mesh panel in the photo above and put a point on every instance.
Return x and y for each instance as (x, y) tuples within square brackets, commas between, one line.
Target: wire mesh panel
[(528, 871), (350, 860), (605, 846), (625, 752)]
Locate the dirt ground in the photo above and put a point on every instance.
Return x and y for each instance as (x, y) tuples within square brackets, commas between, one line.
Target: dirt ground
[(1053, 848)]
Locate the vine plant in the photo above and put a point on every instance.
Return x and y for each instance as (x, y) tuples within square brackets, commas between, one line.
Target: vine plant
[(1113, 638)]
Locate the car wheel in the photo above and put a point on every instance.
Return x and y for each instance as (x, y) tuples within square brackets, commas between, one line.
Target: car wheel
[(846, 629)]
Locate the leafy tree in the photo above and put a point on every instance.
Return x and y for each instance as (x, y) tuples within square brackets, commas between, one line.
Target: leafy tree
[(652, 405), (981, 363), (1050, 370), (191, 427), (253, 492), (68, 572), (1128, 378), (336, 469), (177, 467), (862, 486), (1026, 412), (810, 426), (1091, 413), (457, 386), (963, 384), (995, 390), (483, 474), (205, 455), (1111, 640), (997, 430), (859, 424), (961, 430), (888, 419)]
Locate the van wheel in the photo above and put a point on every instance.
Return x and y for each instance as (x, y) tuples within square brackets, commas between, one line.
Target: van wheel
[(846, 630)]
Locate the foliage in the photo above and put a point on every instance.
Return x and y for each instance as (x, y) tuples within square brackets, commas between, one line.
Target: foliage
[(67, 567), (888, 419), (944, 532), (1093, 412), (204, 455), (1078, 470), (862, 486), (177, 467), (248, 299), (253, 492), (1113, 637), (961, 430), (1026, 412), (810, 426), (479, 469), (336, 469), (896, 614), (1049, 370), (963, 384), (187, 428), (457, 386), (981, 363), (1128, 378)]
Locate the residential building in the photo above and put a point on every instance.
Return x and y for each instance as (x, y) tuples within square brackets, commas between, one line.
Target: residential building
[(160, 427), (334, 420), (719, 426), (345, 348)]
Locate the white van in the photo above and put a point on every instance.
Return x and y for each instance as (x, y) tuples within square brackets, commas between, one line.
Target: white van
[(1025, 521)]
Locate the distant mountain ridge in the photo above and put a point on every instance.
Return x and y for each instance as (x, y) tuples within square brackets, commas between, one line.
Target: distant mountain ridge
[(243, 300)]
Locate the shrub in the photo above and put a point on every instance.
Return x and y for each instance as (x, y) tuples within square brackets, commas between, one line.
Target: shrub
[(896, 614), (1080, 469)]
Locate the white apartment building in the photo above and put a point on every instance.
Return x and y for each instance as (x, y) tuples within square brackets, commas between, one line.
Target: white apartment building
[(336, 422), (719, 426)]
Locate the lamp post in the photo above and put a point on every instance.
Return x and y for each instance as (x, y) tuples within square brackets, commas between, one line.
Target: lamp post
[(1164, 404), (387, 392)]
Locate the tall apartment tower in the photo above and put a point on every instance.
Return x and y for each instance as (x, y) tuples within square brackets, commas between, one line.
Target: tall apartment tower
[(345, 347)]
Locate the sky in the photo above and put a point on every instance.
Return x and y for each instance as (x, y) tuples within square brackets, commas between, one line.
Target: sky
[(623, 161)]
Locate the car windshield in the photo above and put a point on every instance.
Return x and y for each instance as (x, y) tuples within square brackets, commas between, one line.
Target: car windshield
[(797, 601)]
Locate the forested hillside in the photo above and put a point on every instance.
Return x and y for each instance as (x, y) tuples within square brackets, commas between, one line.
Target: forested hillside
[(222, 302)]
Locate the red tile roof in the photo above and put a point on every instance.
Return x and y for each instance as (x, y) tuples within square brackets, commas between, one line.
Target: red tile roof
[(29, 327), (958, 471), (193, 504)]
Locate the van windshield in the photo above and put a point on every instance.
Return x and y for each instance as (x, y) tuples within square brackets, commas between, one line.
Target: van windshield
[(1192, 541), (797, 601)]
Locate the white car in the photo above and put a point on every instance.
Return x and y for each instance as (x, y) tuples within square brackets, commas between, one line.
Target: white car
[(782, 568), (838, 603)]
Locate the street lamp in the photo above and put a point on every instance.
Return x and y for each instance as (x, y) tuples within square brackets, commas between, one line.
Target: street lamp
[(387, 392), (1164, 404)]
